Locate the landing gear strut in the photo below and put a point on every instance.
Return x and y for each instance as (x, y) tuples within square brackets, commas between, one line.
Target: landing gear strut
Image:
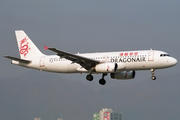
[(152, 72), (102, 81)]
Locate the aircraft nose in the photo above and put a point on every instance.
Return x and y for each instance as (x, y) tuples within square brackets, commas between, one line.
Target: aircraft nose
[(173, 61)]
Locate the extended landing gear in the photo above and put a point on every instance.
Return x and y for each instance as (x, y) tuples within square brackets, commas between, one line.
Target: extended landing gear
[(89, 77), (153, 77), (152, 72), (102, 81)]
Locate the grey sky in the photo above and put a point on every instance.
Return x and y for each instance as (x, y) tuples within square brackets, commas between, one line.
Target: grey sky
[(89, 26)]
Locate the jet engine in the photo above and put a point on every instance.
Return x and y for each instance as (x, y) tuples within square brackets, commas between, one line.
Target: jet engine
[(106, 67), (123, 75)]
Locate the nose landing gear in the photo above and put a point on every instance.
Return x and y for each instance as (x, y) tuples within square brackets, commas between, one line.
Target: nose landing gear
[(153, 77), (152, 72)]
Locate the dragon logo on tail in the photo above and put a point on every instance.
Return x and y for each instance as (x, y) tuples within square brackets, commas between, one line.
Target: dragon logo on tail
[(24, 46)]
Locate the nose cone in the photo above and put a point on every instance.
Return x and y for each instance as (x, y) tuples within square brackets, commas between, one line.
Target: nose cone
[(173, 61)]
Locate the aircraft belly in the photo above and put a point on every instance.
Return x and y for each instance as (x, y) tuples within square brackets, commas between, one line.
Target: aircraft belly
[(72, 68), (137, 66), (62, 67), (143, 66)]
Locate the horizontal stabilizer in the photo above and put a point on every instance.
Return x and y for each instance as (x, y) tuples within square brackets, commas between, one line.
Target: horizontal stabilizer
[(18, 59)]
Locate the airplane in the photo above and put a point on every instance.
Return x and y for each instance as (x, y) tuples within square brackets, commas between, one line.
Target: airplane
[(121, 65)]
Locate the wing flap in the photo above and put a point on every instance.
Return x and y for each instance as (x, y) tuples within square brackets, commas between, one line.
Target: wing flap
[(18, 59)]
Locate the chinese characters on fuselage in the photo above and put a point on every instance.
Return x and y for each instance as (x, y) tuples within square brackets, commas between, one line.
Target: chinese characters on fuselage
[(128, 57)]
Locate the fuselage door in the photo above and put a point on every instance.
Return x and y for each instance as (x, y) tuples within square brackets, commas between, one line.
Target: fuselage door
[(41, 62), (151, 56)]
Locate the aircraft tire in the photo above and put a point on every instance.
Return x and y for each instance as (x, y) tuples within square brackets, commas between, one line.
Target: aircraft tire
[(153, 77), (89, 77), (102, 81)]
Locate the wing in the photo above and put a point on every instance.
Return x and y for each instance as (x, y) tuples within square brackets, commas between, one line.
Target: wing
[(18, 59), (83, 61)]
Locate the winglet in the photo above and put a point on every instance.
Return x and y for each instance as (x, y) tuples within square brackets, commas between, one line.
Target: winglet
[(45, 47)]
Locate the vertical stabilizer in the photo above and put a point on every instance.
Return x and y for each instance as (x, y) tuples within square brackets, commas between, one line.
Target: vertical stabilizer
[(26, 47)]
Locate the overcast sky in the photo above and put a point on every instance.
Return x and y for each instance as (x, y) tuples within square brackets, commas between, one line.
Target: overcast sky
[(89, 26)]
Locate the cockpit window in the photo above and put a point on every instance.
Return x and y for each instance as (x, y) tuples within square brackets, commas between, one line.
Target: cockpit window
[(163, 55)]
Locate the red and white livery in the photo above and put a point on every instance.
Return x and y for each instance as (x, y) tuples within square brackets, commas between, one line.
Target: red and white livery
[(120, 64)]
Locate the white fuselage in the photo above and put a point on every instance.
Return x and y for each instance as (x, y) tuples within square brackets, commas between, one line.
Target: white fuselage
[(131, 60)]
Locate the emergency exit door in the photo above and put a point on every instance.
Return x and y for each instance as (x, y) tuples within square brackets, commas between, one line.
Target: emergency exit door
[(41, 62), (151, 56)]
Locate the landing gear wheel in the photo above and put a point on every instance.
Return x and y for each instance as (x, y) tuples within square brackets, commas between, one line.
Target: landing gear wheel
[(153, 77), (152, 72), (89, 77), (102, 81)]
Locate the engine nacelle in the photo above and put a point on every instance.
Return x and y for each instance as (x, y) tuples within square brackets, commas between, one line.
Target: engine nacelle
[(123, 75), (106, 67)]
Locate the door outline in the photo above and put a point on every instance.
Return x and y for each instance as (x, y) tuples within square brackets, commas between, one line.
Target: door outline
[(41, 61), (151, 56)]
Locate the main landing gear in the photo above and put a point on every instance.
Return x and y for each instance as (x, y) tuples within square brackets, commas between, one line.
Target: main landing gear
[(89, 77), (152, 72), (102, 81)]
